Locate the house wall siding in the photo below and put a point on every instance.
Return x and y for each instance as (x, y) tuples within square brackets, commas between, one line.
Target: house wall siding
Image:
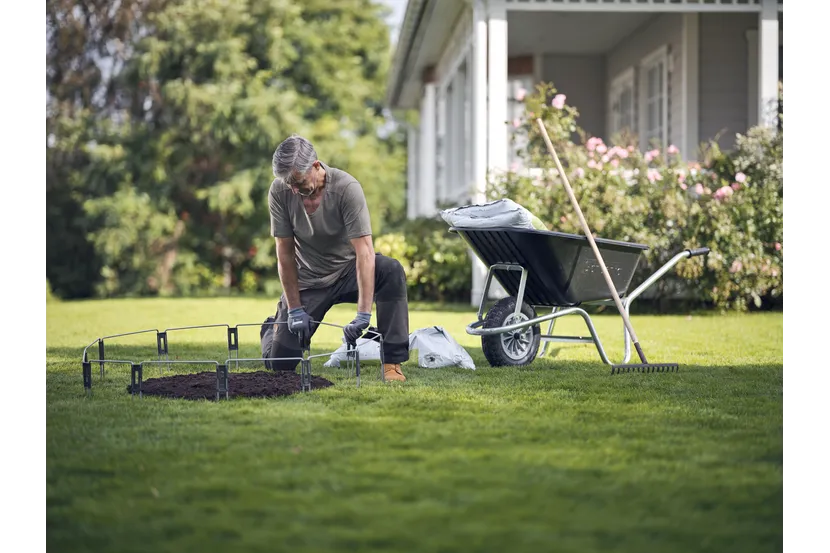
[(582, 80), (724, 83), (661, 30)]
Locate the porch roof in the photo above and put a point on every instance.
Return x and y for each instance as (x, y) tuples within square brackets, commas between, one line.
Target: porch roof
[(428, 25)]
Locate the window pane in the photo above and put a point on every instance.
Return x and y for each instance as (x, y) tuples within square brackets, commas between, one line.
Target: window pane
[(659, 69), (652, 116), (652, 82), (658, 127)]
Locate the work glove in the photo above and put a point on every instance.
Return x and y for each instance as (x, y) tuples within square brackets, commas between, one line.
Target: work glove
[(354, 329), (299, 323)]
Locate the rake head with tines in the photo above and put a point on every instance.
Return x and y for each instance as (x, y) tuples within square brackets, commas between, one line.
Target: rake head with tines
[(645, 366)]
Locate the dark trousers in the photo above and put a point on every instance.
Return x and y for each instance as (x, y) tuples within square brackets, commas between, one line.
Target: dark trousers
[(390, 303)]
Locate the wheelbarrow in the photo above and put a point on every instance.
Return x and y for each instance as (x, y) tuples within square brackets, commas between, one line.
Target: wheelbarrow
[(550, 270)]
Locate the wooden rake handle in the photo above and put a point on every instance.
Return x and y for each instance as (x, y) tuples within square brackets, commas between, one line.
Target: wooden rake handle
[(590, 237)]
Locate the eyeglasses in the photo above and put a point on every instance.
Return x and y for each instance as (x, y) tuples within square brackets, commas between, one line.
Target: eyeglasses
[(294, 185)]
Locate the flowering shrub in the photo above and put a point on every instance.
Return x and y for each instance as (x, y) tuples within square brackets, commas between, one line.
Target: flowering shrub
[(731, 203)]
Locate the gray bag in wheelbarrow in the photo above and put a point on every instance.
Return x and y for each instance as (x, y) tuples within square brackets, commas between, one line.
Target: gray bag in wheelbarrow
[(500, 213), (436, 349)]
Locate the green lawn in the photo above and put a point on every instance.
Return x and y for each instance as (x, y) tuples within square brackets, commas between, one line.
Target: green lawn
[(558, 456)]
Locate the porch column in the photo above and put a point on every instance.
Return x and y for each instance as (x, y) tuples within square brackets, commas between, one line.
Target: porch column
[(497, 136), (690, 65), (412, 161), (426, 145), (441, 145), (497, 88), (450, 142), (768, 63), (457, 179), (479, 130)]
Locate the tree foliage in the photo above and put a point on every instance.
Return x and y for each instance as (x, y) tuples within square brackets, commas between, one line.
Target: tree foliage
[(161, 123)]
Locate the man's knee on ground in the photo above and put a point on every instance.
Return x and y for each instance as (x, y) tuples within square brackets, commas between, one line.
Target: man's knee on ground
[(272, 348), (287, 365), (276, 350)]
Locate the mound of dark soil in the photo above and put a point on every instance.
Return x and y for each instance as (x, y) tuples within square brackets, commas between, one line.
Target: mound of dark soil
[(241, 384)]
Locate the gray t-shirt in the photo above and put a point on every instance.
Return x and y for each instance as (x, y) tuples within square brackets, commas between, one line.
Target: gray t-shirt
[(321, 239)]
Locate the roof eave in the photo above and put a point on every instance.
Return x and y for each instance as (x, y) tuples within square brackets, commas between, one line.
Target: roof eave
[(413, 17)]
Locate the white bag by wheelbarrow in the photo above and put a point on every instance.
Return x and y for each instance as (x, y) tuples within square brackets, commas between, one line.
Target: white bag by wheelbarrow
[(436, 348), (369, 350)]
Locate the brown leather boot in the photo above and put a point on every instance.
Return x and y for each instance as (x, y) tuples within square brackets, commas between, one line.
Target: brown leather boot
[(392, 371)]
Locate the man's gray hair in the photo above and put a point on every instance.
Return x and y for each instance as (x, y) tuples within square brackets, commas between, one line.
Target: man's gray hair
[(294, 155)]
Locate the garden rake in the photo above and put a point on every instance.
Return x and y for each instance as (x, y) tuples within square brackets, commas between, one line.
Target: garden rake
[(645, 366)]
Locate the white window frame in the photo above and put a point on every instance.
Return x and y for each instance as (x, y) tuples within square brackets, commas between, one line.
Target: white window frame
[(654, 59), (624, 80)]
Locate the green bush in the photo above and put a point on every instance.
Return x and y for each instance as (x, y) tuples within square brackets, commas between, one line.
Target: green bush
[(731, 203), (437, 263)]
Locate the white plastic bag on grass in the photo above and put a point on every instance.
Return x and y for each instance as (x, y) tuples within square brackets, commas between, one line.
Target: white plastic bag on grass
[(367, 349), (436, 349), (500, 213)]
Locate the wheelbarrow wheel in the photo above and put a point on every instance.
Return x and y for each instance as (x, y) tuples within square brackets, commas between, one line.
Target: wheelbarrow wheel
[(515, 348)]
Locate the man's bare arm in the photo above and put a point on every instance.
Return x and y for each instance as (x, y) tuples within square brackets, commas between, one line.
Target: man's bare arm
[(287, 267), (365, 252)]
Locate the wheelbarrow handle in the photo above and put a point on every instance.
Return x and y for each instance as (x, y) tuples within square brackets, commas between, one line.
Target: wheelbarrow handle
[(698, 251)]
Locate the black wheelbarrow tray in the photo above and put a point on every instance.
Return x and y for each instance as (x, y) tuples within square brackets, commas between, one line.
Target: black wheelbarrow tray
[(548, 269)]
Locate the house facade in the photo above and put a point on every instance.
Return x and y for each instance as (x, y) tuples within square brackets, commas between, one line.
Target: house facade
[(681, 72)]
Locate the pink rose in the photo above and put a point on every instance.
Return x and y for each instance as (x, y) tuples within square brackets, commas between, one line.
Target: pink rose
[(654, 175), (673, 149), (617, 151), (736, 266), (698, 189), (602, 148), (778, 246), (723, 192), (648, 157), (558, 101), (516, 123), (740, 177), (520, 94), (593, 143), (683, 186), (615, 163), (592, 164), (580, 172), (736, 186)]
